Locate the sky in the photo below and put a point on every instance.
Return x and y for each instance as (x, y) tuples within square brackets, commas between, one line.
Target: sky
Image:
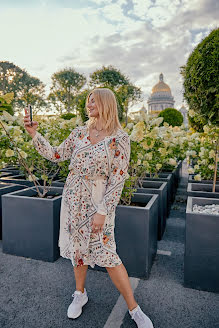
[(141, 38)]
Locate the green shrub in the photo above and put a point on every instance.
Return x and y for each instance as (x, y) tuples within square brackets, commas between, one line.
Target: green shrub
[(201, 79), (171, 116), (68, 116)]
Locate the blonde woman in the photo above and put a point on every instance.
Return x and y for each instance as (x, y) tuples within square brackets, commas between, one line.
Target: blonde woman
[(99, 152)]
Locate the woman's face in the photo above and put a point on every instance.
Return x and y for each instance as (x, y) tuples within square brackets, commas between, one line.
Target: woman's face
[(92, 107)]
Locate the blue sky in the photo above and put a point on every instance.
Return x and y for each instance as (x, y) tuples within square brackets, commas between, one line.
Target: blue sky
[(142, 38)]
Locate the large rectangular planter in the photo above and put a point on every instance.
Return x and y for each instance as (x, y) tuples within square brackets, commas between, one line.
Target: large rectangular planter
[(201, 259), (31, 225), (192, 180), (202, 190), (6, 188), (164, 177), (157, 188), (136, 235)]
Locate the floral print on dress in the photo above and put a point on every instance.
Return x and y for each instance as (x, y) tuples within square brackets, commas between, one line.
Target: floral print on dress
[(94, 185)]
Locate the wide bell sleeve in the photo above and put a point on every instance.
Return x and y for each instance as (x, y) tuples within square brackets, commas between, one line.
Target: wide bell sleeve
[(55, 154), (118, 175)]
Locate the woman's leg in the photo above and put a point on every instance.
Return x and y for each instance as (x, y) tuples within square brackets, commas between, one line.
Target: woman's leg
[(80, 276), (120, 278)]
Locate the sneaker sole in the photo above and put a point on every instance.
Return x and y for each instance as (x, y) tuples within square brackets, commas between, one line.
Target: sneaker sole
[(78, 314)]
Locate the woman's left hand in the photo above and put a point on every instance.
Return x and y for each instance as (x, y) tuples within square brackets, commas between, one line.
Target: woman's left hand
[(97, 222)]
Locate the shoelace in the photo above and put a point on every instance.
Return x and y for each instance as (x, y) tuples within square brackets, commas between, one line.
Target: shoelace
[(137, 316), (77, 298)]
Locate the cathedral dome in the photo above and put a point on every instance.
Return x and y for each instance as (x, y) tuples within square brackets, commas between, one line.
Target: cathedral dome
[(161, 86), (160, 97)]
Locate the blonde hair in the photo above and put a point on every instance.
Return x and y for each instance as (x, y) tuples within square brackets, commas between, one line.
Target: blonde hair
[(105, 101)]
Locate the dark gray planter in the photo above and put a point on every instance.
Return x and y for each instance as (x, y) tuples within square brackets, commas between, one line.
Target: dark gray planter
[(201, 259), (58, 183), (31, 225), (192, 180), (202, 190), (4, 189), (157, 188), (164, 177), (5, 174), (136, 235), (11, 169), (177, 173)]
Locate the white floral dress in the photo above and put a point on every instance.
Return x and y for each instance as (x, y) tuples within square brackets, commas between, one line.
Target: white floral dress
[(94, 184)]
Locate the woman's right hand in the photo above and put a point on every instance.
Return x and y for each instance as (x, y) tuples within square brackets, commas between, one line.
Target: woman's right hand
[(31, 129)]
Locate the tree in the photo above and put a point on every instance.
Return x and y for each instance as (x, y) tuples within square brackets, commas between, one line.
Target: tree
[(201, 79), (171, 116), (26, 88), (5, 103), (80, 101), (65, 86), (125, 92)]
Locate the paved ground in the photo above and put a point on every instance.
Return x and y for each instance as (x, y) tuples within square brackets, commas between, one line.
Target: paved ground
[(36, 294)]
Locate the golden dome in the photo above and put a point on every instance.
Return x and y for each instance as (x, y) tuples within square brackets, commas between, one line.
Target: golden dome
[(161, 86)]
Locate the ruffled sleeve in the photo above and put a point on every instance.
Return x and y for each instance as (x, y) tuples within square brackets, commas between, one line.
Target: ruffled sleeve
[(118, 174), (59, 153)]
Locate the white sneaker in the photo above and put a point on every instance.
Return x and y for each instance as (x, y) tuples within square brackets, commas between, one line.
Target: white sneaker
[(140, 318), (75, 308)]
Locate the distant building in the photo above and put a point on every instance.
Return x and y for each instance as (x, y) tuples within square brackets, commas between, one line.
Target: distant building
[(160, 97), (184, 113), (135, 114)]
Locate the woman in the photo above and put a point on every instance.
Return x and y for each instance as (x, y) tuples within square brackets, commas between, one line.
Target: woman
[(99, 153)]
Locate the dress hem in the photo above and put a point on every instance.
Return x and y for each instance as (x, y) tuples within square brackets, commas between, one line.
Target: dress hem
[(91, 265)]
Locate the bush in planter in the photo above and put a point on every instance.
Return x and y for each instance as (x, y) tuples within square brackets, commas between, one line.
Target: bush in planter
[(153, 147), (202, 153), (17, 145)]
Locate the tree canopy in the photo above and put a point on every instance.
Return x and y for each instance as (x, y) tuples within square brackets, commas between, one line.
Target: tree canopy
[(201, 80), (126, 93), (66, 84), (26, 88)]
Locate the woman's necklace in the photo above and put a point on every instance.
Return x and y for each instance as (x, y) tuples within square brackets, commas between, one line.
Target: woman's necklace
[(97, 134)]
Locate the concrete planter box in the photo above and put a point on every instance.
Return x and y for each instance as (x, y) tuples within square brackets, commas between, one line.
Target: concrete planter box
[(4, 189), (191, 180), (201, 265), (136, 235), (157, 188), (177, 173), (202, 190), (31, 225), (58, 183), (164, 177)]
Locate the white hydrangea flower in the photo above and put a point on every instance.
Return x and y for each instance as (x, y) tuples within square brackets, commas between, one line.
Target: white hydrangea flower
[(9, 153), (197, 177), (212, 154), (191, 170), (23, 154), (172, 161)]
